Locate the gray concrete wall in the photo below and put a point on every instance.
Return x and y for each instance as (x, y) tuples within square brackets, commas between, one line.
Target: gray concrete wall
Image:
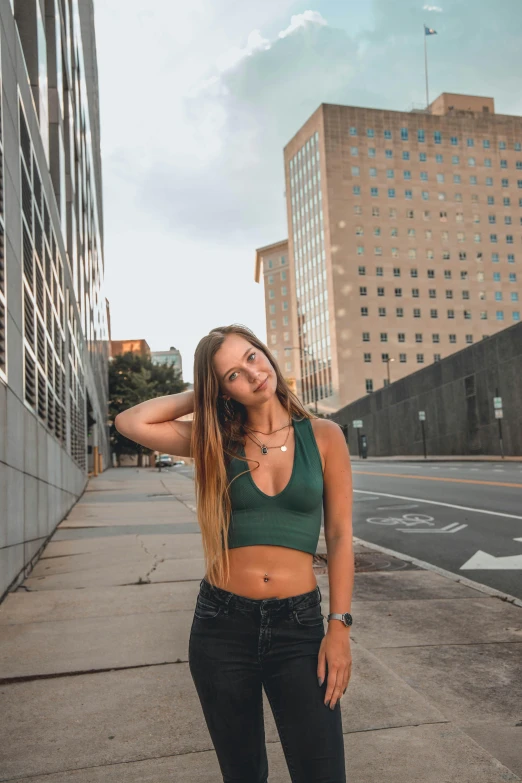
[(457, 396), (44, 461)]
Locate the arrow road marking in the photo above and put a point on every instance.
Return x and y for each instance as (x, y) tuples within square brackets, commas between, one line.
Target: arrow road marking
[(453, 527), (483, 560)]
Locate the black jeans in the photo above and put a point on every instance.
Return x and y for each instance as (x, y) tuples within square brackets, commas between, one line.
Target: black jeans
[(240, 645)]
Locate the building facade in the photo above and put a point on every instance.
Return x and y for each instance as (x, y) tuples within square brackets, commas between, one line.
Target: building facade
[(172, 357), (280, 301), (140, 346), (405, 233), (53, 313)]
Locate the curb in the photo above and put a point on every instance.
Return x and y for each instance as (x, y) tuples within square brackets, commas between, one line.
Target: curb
[(442, 571)]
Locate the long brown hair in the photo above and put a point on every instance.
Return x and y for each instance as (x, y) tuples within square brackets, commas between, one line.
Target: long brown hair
[(215, 435)]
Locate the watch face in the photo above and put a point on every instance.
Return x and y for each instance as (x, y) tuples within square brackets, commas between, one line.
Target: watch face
[(348, 618)]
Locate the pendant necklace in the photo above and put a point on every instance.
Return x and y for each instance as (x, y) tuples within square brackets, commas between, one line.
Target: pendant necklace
[(264, 448)]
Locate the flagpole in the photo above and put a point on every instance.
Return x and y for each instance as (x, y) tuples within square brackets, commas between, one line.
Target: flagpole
[(426, 67)]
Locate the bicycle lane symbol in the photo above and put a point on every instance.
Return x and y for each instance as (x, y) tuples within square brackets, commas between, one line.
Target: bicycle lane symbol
[(415, 523)]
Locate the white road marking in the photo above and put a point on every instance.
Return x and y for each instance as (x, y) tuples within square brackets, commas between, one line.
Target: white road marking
[(440, 503), (483, 560), (453, 527)]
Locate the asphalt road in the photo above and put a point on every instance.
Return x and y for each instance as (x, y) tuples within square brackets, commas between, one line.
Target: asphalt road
[(464, 517)]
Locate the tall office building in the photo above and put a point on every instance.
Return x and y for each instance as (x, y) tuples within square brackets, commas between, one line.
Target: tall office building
[(53, 312), (405, 233), (272, 263)]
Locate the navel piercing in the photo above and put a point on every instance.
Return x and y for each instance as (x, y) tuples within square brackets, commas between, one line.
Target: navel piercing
[(266, 577)]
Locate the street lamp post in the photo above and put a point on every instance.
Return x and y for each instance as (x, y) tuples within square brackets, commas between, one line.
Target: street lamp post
[(310, 353)]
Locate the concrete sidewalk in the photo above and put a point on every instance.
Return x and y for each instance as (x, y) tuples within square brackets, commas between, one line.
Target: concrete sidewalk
[(96, 687)]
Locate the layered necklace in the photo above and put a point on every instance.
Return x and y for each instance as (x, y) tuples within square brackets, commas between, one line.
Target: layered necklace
[(264, 448)]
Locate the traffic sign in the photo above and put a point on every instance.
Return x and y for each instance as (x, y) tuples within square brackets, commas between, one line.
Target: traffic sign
[(357, 423), (422, 415), (499, 413), (497, 402)]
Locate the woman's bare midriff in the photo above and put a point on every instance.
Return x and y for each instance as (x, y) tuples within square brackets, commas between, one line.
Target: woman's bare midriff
[(289, 571)]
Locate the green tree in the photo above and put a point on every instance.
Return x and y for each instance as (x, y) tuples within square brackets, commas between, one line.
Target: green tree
[(133, 378)]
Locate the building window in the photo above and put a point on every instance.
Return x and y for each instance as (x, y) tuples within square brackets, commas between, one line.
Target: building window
[(398, 291), (380, 291), (362, 290), (399, 312), (416, 312), (382, 312), (500, 315), (369, 385), (367, 357), (383, 337), (404, 134), (366, 337), (362, 270), (437, 137), (420, 358), (402, 357), (364, 311)]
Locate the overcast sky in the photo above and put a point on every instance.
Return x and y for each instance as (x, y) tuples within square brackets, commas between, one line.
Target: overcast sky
[(198, 100)]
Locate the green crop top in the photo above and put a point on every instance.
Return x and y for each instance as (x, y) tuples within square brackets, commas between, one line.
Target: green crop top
[(291, 518)]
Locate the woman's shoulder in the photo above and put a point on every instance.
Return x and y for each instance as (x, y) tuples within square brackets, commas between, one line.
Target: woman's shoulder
[(324, 430)]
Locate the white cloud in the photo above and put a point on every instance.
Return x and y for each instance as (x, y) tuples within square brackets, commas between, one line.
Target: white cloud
[(301, 20), (432, 8), (255, 43)]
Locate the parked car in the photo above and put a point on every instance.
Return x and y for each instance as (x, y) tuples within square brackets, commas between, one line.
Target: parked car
[(164, 461), (179, 462)]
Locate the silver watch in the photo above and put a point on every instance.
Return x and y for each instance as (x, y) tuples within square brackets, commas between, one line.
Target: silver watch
[(346, 618)]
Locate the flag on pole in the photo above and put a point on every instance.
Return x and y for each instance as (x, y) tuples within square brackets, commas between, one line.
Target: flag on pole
[(430, 31)]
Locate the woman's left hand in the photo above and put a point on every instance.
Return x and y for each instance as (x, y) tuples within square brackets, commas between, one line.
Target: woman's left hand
[(335, 650)]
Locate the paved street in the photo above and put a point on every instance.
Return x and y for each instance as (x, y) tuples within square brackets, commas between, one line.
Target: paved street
[(465, 517)]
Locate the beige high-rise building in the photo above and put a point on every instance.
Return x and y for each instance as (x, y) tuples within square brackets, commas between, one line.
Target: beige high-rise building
[(405, 233), (272, 262)]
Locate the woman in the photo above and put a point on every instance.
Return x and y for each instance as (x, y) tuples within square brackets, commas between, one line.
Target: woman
[(257, 621)]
